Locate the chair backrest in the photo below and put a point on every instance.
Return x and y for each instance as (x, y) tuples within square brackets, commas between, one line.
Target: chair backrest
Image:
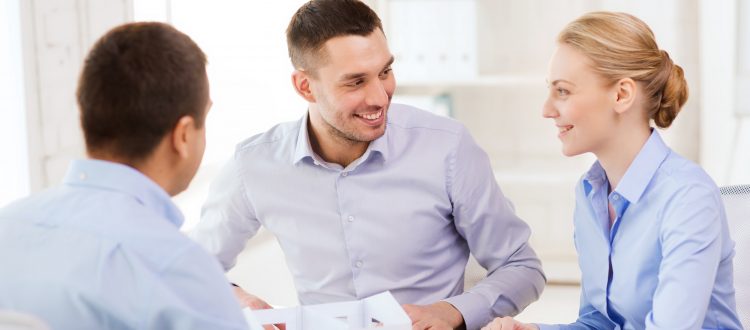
[(737, 204)]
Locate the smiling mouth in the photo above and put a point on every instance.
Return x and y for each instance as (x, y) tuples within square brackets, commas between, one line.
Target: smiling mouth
[(564, 129), (370, 116)]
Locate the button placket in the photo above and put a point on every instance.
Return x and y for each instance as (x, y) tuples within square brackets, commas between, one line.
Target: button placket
[(347, 220)]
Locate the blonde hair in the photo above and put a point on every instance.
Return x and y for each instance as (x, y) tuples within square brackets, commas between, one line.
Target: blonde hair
[(622, 46)]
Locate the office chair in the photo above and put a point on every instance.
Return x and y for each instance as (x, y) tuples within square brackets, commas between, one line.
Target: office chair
[(737, 204)]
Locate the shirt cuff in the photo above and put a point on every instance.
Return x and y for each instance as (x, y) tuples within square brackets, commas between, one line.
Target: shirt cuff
[(474, 308)]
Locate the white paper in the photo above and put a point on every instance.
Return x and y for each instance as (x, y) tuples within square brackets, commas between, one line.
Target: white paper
[(380, 311)]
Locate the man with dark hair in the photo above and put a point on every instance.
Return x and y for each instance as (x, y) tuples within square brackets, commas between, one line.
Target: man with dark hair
[(103, 250), (366, 196)]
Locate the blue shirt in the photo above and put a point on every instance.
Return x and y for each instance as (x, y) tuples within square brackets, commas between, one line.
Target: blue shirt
[(403, 217), (103, 250), (669, 247)]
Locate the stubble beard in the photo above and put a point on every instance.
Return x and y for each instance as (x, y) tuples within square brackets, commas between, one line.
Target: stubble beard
[(350, 138)]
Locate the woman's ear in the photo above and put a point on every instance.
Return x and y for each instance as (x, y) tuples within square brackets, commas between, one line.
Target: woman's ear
[(626, 90), (301, 82)]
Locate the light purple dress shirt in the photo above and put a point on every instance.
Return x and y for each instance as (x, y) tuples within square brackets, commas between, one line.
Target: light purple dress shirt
[(403, 217)]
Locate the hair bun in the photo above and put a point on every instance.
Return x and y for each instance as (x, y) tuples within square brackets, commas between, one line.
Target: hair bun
[(674, 92)]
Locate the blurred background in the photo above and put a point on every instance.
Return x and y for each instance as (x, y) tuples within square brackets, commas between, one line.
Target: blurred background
[(482, 62)]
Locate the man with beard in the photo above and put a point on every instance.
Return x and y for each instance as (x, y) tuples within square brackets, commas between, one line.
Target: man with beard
[(366, 196)]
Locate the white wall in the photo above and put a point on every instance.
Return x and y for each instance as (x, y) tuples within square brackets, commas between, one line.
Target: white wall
[(57, 34), (14, 167), (725, 136)]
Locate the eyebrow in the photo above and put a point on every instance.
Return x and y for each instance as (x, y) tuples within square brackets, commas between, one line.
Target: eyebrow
[(352, 76), (561, 80), (389, 63)]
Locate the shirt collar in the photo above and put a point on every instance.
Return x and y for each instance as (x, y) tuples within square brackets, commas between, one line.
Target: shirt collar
[(594, 178), (379, 145), (639, 173), (125, 179), (643, 168), (303, 149)]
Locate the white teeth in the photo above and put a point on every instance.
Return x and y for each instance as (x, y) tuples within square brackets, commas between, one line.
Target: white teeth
[(372, 116)]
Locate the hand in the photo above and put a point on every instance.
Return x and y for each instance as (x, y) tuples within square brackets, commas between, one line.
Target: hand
[(247, 300), (438, 316), (508, 323)]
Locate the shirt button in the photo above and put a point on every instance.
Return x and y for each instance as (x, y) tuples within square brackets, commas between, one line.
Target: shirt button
[(615, 197), (359, 264), (344, 173), (350, 218), (82, 176)]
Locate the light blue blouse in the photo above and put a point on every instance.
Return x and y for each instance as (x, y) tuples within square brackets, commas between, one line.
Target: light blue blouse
[(103, 251), (669, 248)]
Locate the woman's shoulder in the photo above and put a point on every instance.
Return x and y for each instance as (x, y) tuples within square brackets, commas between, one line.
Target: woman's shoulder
[(686, 194), (680, 173)]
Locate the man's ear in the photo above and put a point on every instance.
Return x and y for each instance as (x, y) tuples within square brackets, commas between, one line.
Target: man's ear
[(301, 82), (625, 95), (181, 136)]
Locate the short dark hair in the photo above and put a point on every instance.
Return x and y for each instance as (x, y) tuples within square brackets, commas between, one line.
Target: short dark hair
[(318, 21), (137, 81)]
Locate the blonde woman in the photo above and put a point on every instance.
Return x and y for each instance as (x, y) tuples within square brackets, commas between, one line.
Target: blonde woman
[(650, 228)]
